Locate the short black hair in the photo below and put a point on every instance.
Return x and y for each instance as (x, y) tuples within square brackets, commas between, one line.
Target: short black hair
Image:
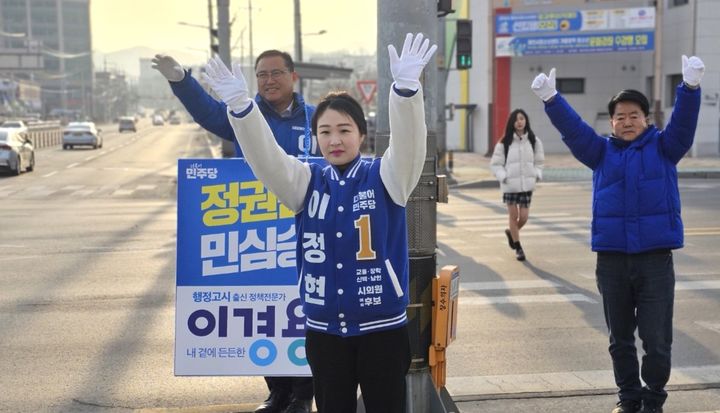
[(344, 103), (629, 95), (273, 53)]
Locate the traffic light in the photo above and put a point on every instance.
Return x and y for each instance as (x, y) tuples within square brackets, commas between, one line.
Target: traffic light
[(214, 42), (463, 51), (444, 7)]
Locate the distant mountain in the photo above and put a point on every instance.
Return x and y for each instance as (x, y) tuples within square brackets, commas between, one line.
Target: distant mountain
[(128, 60)]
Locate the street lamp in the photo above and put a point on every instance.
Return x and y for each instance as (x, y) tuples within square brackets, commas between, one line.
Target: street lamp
[(299, 47), (323, 31), (202, 26)]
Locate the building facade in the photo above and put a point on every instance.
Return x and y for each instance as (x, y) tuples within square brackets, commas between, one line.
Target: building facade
[(587, 76), (60, 30)]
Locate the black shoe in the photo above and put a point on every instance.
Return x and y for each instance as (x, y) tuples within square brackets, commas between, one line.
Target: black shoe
[(627, 406), (277, 402), (511, 243), (299, 406), (647, 408), (520, 254)]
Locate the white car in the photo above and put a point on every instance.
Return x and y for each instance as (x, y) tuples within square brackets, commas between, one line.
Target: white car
[(16, 151), (82, 134), (15, 124)]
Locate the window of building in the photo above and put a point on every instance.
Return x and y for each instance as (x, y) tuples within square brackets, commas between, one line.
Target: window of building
[(672, 82), (675, 3), (569, 86)]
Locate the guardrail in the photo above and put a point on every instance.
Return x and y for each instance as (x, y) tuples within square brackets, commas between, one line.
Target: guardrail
[(43, 134)]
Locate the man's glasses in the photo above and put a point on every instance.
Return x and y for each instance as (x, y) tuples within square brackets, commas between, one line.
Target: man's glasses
[(274, 74)]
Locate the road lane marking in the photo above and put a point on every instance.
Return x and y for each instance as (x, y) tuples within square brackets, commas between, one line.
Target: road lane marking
[(506, 285), (566, 381), (122, 192), (708, 325), (526, 299), (72, 165), (697, 285), (145, 187), (72, 187), (49, 174)]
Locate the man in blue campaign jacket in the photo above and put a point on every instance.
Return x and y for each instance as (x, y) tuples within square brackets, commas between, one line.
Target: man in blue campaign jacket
[(636, 224), (289, 118), (285, 111)]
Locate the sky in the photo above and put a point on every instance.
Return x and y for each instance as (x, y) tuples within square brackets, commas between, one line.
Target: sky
[(122, 24)]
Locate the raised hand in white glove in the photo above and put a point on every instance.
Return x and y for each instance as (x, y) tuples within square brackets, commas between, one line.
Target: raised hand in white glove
[(168, 67), (407, 67), (544, 86), (692, 70), (230, 87)]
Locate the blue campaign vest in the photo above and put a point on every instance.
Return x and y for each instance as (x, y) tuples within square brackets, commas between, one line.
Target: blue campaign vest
[(352, 252)]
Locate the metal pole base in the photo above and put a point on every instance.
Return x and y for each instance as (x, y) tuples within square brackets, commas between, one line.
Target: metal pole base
[(422, 396)]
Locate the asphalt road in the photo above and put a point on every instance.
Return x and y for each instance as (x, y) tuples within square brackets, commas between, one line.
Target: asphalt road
[(87, 275)]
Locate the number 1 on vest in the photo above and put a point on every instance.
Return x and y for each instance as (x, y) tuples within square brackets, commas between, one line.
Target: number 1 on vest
[(365, 251)]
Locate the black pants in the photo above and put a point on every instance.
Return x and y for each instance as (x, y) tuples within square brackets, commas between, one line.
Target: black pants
[(378, 362), (638, 291), (297, 387)]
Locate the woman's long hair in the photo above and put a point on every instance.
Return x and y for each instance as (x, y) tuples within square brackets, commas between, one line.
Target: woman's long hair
[(507, 139)]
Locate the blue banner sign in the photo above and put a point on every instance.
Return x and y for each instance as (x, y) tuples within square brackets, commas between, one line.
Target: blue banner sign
[(637, 18), (597, 43), (238, 310)]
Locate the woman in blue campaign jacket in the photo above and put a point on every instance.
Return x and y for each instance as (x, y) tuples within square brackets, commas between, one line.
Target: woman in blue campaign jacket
[(636, 224), (351, 231)]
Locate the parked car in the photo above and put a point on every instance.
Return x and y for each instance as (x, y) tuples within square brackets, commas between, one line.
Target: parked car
[(174, 120), (158, 120), (16, 151), (82, 134), (127, 123)]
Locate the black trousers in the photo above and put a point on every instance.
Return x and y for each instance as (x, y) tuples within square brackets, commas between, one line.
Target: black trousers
[(298, 387), (638, 293), (378, 362)]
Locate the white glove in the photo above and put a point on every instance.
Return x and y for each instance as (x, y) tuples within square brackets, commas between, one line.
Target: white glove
[(544, 86), (692, 70), (230, 87), (407, 67), (168, 67)]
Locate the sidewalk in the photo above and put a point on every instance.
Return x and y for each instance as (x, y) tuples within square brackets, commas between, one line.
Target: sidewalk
[(472, 170)]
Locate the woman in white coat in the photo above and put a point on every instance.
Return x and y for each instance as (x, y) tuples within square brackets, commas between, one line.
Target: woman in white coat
[(517, 163)]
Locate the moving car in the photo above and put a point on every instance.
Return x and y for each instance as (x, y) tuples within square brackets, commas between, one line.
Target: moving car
[(158, 120), (19, 124), (16, 151), (126, 123), (174, 120), (82, 134)]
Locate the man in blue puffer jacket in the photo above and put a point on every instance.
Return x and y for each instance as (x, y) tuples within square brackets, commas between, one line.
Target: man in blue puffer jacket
[(285, 111), (289, 118), (636, 224)]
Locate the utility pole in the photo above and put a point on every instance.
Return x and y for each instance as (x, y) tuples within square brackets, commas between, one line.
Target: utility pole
[(211, 24), (395, 20), (298, 41), (223, 30), (657, 72), (251, 84)]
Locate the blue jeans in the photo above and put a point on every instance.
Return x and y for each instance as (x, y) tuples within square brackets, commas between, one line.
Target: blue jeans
[(638, 291)]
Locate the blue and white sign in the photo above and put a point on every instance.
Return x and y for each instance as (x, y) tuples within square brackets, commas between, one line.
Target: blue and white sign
[(597, 43), (237, 306), (637, 18)]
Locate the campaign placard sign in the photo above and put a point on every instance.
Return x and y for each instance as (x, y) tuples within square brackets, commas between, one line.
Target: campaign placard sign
[(237, 306)]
